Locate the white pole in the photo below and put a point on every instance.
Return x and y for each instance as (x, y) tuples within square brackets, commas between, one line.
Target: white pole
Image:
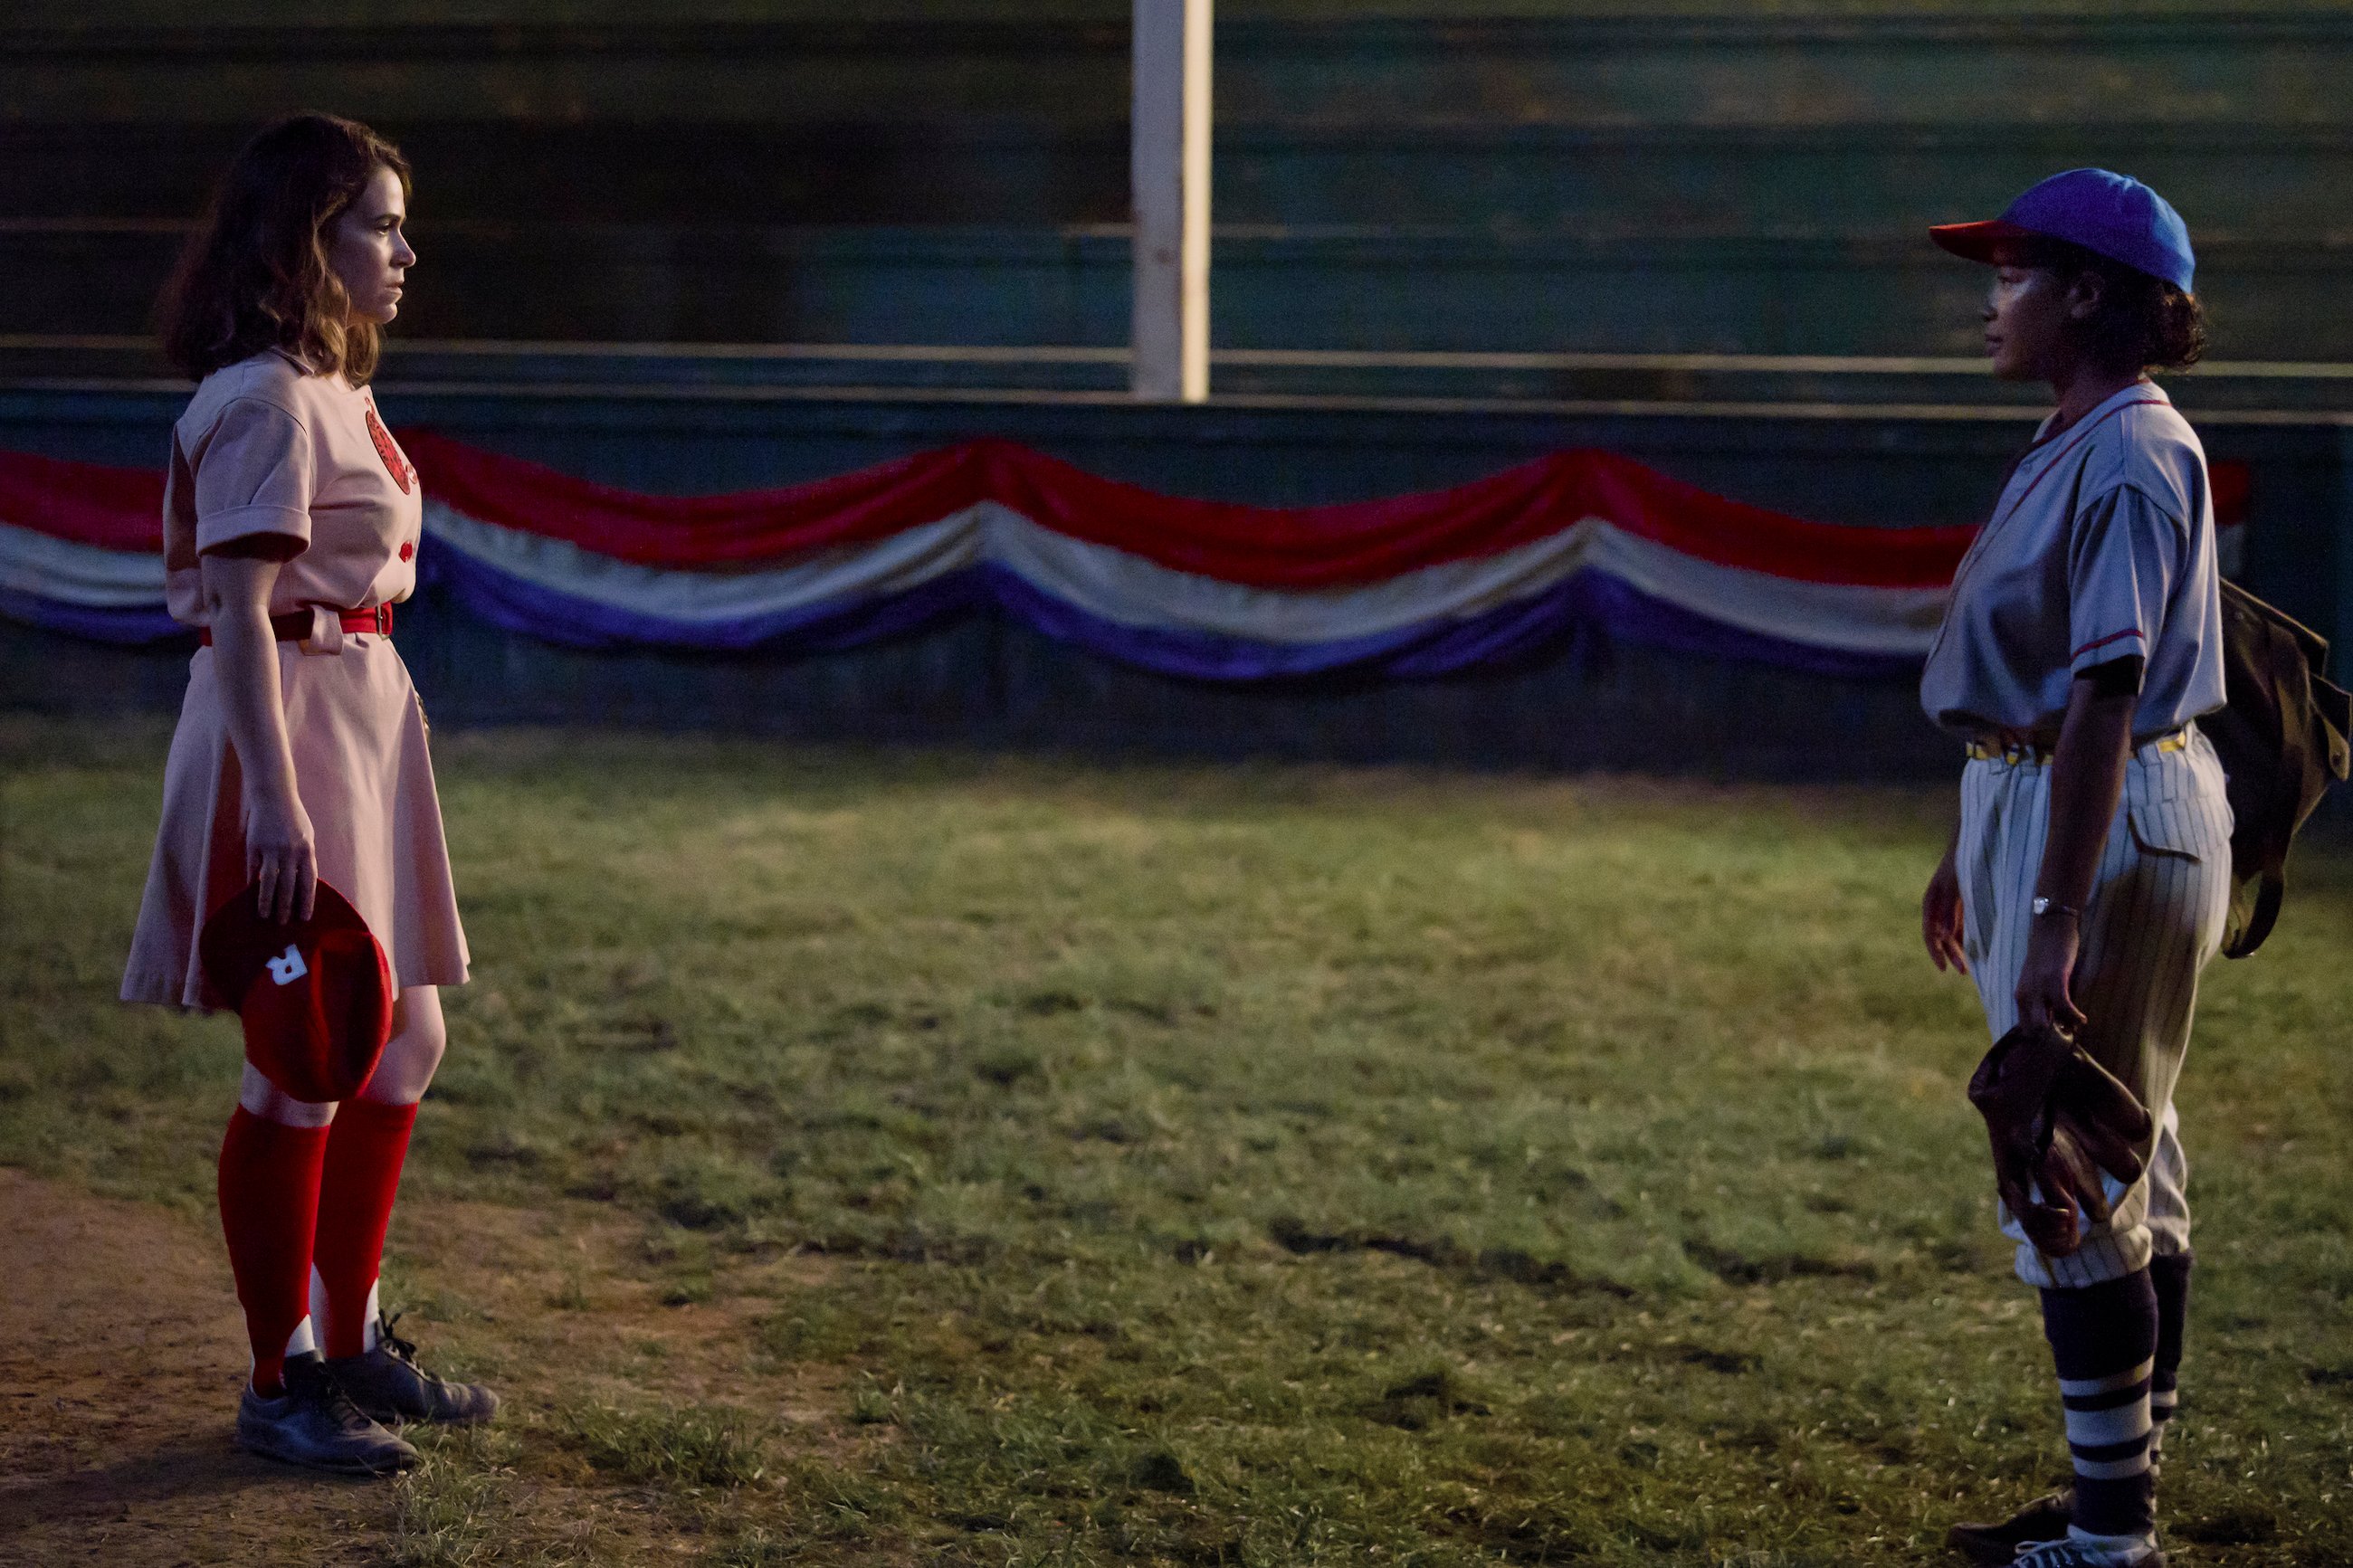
[(1169, 184)]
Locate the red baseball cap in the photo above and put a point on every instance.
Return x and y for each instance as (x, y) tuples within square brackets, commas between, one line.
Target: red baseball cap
[(316, 995)]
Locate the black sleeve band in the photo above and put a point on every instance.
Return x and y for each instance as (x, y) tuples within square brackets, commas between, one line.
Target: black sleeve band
[(2116, 678)]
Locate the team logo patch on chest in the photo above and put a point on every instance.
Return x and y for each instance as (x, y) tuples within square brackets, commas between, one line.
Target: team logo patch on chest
[(396, 461)]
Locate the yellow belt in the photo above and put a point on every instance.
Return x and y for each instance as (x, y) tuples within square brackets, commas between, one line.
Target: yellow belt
[(2022, 751)]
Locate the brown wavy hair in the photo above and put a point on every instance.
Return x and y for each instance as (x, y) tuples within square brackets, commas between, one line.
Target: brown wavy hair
[(255, 275), (2142, 322)]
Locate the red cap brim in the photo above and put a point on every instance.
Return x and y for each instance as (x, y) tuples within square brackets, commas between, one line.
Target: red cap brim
[(1981, 241)]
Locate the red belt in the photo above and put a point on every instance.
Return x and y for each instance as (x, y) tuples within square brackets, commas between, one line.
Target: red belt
[(295, 625)]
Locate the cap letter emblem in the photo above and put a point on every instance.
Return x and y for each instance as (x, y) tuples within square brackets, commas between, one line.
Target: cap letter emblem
[(286, 971)]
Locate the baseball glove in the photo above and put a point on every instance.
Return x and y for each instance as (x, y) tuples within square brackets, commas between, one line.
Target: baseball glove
[(2057, 1118)]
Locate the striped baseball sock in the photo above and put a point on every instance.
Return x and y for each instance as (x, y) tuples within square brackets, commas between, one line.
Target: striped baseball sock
[(2169, 1274), (2103, 1340)]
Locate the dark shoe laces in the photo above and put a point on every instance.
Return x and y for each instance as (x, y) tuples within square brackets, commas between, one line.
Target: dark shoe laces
[(321, 1387), (391, 1344), (400, 1349)]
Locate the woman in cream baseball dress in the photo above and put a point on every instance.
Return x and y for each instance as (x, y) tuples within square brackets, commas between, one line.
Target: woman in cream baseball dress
[(291, 522)]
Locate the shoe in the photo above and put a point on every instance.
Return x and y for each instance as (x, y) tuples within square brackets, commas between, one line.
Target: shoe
[(314, 1423), (2045, 1518), (2074, 1554), (388, 1386)]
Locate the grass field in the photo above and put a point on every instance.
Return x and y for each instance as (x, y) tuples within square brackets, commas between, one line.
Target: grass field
[(1233, 1166)]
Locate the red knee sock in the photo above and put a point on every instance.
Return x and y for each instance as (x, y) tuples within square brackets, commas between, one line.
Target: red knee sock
[(269, 1206), (363, 1173)]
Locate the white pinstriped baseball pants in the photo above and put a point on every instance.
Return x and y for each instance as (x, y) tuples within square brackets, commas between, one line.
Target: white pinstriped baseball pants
[(2155, 918)]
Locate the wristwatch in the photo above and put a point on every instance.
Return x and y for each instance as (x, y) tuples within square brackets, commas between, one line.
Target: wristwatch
[(2042, 906)]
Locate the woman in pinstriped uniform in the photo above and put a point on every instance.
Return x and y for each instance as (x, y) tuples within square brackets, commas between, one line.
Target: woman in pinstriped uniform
[(2087, 884)]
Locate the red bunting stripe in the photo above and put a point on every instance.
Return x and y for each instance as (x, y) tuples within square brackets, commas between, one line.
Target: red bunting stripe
[(84, 503), (1269, 547)]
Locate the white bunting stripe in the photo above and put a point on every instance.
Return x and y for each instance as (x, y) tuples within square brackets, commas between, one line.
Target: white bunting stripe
[(51, 568), (1117, 586)]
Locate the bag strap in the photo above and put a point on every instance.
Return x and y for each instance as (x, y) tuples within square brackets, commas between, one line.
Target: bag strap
[(2271, 885), (2311, 713)]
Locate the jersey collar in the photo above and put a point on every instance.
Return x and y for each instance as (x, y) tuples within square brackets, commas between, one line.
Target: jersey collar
[(2143, 390)]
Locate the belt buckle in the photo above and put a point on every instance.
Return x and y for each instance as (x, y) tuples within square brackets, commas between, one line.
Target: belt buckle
[(2010, 751)]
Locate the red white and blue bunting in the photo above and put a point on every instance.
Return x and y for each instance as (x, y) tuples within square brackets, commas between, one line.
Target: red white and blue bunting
[(1416, 586)]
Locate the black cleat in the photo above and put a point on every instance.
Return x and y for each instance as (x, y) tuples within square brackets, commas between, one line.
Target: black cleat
[(2045, 1518), (314, 1423), (387, 1383)]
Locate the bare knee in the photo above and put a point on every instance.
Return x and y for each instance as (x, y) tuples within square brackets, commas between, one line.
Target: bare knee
[(410, 1057), (264, 1098)]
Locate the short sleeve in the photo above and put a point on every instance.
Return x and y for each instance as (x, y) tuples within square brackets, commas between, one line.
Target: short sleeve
[(254, 476), (2126, 554)]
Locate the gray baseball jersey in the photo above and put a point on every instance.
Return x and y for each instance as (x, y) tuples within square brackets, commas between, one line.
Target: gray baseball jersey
[(2101, 546)]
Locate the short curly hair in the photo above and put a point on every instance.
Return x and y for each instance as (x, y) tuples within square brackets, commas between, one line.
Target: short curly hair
[(255, 274), (2143, 322)]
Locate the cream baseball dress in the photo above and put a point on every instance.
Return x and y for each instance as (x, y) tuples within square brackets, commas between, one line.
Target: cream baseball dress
[(267, 449)]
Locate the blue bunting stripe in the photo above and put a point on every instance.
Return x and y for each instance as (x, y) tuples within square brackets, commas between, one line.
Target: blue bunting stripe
[(1117, 586), (1589, 600), (130, 625)]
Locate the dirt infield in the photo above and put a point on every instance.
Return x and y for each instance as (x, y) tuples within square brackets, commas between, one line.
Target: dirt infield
[(120, 1363), (122, 1351)]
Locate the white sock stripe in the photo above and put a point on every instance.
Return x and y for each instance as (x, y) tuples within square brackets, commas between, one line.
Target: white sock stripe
[(2124, 1379), (2121, 1424), (2112, 1545), (322, 1314), (2112, 1470), (2165, 1399), (2137, 1395)]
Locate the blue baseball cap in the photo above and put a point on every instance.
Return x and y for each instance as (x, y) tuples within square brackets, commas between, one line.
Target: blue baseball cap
[(2107, 214)]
